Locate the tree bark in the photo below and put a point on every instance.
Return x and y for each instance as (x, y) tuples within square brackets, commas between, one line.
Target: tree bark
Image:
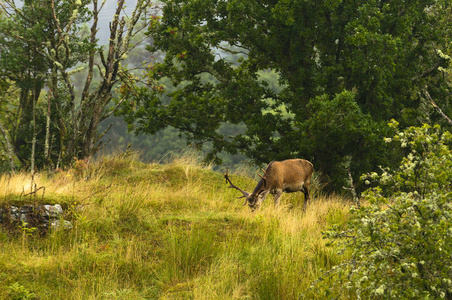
[(9, 148)]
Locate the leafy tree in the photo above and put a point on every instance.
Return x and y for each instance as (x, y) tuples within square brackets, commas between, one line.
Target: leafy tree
[(22, 64), (336, 61), (401, 242), (42, 44)]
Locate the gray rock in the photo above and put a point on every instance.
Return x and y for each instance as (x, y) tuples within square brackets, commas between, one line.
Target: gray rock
[(45, 216), (60, 224), (53, 211)]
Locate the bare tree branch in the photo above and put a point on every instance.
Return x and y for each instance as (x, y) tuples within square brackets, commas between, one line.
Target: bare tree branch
[(427, 94)]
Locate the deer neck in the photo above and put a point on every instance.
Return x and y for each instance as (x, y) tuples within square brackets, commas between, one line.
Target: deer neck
[(259, 188)]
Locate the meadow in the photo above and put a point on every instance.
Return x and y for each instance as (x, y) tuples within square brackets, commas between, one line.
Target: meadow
[(164, 231)]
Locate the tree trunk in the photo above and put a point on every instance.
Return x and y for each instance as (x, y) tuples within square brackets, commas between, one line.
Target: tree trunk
[(33, 142), (47, 137), (9, 148)]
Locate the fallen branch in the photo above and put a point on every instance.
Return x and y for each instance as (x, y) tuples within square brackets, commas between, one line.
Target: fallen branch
[(436, 106), (35, 191)]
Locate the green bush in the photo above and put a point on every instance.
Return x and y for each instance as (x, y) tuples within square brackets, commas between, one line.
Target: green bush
[(18, 292), (401, 239)]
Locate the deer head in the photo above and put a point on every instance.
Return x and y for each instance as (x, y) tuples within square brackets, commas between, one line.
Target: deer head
[(250, 198)]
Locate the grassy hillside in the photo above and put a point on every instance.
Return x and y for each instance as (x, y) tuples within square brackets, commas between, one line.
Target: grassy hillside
[(172, 231)]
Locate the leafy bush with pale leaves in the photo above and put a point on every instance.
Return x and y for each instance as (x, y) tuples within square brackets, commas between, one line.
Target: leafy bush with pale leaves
[(400, 240)]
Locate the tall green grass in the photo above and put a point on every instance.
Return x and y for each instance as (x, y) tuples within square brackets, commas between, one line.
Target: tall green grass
[(164, 231)]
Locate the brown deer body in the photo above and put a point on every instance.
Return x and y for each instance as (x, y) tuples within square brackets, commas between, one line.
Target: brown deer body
[(291, 175)]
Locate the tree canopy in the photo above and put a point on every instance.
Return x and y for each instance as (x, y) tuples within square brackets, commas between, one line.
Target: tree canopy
[(344, 69)]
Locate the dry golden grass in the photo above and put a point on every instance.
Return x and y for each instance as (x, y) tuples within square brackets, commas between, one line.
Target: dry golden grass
[(172, 231)]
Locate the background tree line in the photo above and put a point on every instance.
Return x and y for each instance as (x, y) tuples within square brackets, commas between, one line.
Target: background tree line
[(266, 79), (344, 70)]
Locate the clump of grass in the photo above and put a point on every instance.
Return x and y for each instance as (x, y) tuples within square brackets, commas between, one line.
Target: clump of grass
[(117, 164), (188, 251)]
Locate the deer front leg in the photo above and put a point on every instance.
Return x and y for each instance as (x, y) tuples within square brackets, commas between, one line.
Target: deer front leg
[(262, 197)]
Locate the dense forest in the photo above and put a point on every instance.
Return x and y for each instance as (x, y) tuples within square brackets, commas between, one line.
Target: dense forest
[(256, 81)]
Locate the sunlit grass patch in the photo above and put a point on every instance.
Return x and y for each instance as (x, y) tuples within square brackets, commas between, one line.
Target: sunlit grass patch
[(166, 231)]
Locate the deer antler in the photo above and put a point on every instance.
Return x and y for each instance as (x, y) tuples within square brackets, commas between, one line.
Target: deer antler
[(232, 186), (263, 177)]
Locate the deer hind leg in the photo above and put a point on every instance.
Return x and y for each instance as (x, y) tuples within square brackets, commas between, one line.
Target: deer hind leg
[(305, 191), (277, 196)]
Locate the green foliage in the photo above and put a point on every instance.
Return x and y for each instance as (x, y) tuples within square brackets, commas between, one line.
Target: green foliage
[(401, 242), (18, 292), (356, 63), (343, 137)]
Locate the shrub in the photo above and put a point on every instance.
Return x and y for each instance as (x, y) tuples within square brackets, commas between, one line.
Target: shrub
[(18, 292), (401, 241)]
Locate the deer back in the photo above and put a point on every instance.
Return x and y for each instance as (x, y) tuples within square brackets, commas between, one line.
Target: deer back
[(289, 175)]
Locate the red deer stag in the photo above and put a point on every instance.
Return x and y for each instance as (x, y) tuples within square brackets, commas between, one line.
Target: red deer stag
[(291, 175)]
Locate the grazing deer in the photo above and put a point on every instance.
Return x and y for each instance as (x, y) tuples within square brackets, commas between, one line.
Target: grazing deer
[(291, 175)]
